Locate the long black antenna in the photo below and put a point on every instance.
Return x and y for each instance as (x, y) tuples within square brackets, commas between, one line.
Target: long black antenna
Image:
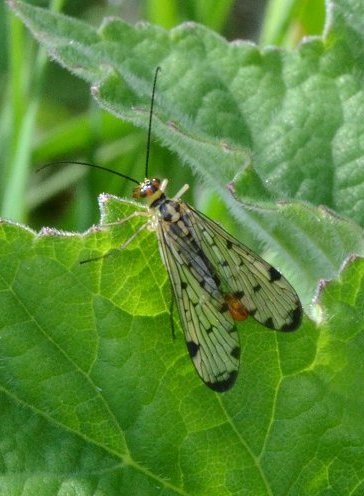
[(124, 176), (150, 121)]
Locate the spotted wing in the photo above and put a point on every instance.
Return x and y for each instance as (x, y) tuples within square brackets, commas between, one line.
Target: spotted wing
[(261, 289), (211, 336)]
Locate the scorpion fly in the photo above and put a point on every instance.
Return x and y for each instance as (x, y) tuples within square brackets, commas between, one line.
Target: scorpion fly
[(215, 279)]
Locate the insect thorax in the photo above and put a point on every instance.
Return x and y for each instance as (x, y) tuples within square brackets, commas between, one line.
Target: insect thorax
[(167, 210)]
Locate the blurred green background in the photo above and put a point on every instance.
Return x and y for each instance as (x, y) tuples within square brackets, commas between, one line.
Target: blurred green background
[(46, 114)]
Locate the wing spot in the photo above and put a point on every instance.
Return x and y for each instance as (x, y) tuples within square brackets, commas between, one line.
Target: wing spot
[(184, 285), (192, 348), (235, 352), (225, 385), (269, 323), (229, 244), (296, 317), (239, 294), (274, 274), (257, 288), (224, 307)]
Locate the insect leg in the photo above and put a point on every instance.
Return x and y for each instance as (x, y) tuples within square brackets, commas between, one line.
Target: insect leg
[(137, 232), (125, 219), (171, 317), (94, 259), (181, 192), (127, 242), (164, 185)]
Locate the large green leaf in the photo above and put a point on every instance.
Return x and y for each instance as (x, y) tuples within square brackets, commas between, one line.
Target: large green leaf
[(97, 397), (263, 123), (219, 104)]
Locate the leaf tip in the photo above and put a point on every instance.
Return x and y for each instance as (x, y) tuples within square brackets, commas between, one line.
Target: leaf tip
[(317, 303)]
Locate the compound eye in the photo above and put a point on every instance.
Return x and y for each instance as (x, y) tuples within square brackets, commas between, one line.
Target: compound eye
[(155, 183), (150, 186), (147, 188)]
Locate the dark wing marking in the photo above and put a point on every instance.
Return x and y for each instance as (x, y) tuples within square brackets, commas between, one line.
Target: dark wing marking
[(211, 336), (262, 290)]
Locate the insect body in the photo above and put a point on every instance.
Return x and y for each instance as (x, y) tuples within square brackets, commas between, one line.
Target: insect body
[(216, 280)]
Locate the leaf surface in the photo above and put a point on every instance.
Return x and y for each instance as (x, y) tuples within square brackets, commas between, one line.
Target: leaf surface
[(96, 396)]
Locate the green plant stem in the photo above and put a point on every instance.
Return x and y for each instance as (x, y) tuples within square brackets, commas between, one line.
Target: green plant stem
[(24, 105)]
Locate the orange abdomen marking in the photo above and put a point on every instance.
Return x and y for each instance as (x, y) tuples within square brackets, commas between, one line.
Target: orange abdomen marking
[(236, 308)]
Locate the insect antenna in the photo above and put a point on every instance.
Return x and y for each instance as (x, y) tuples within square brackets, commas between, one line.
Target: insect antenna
[(112, 171), (150, 122)]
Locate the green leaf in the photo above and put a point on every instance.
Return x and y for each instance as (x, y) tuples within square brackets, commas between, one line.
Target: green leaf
[(90, 375), (222, 99), (87, 353), (232, 110)]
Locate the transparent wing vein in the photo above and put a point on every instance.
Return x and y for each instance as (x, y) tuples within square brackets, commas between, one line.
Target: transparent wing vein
[(263, 291), (211, 336)]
